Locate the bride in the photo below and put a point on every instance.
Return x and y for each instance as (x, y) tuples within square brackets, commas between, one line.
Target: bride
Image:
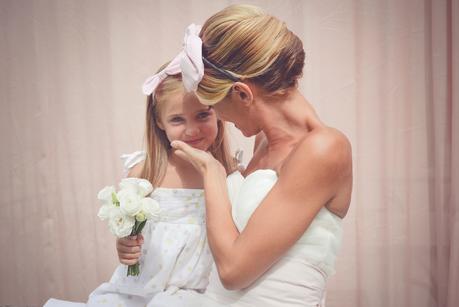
[(276, 244)]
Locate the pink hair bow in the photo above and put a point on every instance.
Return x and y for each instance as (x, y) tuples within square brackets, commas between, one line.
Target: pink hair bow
[(191, 63), (152, 82), (188, 62)]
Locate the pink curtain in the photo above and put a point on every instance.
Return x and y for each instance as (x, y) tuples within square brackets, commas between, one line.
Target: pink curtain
[(383, 71)]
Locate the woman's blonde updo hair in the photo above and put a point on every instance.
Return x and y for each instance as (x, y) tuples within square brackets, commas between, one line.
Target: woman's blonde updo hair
[(251, 45)]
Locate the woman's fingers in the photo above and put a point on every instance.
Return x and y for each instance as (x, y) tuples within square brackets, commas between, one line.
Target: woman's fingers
[(198, 158), (184, 151), (179, 145)]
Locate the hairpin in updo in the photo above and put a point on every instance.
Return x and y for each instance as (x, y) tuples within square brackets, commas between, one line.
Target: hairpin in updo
[(224, 72)]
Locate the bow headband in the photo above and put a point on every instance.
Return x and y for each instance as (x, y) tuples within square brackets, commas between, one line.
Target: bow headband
[(192, 63), (189, 62)]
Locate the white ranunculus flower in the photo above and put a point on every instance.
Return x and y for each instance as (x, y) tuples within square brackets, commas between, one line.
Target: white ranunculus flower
[(130, 201), (145, 186), (151, 208), (119, 223), (104, 211), (127, 183), (105, 195), (128, 209), (142, 186), (140, 217)]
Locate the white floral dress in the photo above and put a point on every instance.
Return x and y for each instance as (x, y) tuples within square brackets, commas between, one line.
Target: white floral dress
[(175, 255)]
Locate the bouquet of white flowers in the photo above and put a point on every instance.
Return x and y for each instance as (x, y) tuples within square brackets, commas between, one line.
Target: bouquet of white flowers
[(128, 210)]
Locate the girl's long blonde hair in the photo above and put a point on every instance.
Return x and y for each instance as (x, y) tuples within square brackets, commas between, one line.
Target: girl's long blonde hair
[(157, 143), (252, 46)]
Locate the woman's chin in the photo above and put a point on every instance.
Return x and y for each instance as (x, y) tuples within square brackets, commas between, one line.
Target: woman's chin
[(247, 134)]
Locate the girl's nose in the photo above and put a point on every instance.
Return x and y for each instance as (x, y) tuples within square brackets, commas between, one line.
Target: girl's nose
[(192, 130)]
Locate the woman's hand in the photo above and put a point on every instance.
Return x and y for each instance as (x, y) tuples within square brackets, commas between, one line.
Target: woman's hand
[(201, 160), (129, 249)]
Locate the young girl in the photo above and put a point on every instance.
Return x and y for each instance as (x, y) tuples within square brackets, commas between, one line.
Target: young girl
[(174, 255)]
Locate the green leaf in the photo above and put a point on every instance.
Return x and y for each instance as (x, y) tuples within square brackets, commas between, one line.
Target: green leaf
[(140, 226), (115, 199)]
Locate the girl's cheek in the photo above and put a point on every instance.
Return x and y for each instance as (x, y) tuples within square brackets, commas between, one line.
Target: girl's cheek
[(175, 132), (210, 129)]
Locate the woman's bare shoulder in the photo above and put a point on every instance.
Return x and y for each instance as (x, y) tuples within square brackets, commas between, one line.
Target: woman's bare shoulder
[(324, 150), (327, 141)]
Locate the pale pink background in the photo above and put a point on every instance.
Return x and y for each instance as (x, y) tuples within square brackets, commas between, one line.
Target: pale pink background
[(383, 71)]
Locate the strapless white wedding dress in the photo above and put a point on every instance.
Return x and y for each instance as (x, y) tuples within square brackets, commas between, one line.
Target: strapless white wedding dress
[(299, 277)]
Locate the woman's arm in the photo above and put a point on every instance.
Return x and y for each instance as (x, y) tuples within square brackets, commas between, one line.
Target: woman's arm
[(308, 180)]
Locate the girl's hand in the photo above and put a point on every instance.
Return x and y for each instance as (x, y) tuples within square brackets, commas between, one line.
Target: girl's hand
[(201, 160), (129, 249)]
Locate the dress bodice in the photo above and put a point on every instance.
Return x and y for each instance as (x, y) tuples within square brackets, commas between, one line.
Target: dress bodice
[(299, 277), (318, 245), (180, 205)]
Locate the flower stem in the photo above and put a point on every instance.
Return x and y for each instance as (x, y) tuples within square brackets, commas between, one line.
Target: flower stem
[(134, 269)]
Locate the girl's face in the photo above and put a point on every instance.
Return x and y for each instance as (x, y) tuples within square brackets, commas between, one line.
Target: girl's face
[(183, 118)]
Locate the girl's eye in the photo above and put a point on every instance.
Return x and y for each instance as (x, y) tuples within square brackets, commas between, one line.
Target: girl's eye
[(176, 120), (203, 115)]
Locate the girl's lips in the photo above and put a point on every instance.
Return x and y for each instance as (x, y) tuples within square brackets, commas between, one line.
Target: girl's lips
[(194, 142)]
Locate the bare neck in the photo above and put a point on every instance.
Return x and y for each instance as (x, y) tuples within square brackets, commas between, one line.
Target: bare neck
[(286, 121), (179, 163), (181, 174)]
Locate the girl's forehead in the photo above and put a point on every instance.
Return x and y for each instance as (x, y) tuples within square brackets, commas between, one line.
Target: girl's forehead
[(183, 103)]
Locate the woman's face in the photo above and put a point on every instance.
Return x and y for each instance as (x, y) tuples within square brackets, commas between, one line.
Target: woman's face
[(183, 118), (235, 112)]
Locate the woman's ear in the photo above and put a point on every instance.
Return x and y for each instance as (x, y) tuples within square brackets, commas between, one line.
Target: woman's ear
[(243, 93)]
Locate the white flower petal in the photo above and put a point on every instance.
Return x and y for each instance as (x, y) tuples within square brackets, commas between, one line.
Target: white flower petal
[(104, 212), (105, 195), (142, 186), (151, 208), (145, 185), (120, 224), (140, 217), (130, 201), (128, 183)]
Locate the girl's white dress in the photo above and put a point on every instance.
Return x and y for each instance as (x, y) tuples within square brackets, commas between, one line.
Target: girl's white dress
[(175, 254)]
